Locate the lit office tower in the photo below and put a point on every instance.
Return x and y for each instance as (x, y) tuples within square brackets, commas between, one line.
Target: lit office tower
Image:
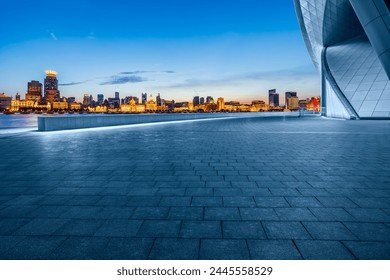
[(209, 99), (117, 95), (100, 99), (144, 97), (201, 100), (220, 104), (276, 99), (51, 86), (289, 94), (195, 100), (86, 100), (158, 99), (34, 91), (271, 97)]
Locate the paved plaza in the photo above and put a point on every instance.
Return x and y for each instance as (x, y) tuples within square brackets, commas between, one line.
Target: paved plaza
[(255, 188)]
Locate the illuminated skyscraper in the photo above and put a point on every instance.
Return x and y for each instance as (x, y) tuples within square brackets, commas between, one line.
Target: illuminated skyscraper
[(144, 97), (158, 99), (289, 94), (86, 100), (220, 104), (100, 99), (201, 100), (34, 91), (51, 86), (195, 100)]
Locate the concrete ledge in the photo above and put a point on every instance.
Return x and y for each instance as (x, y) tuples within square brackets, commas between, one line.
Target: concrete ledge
[(65, 122)]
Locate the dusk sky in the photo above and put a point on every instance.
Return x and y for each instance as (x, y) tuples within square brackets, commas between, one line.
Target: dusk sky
[(234, 49)]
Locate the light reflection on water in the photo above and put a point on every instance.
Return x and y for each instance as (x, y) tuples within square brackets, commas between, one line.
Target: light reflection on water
[(18, 120)]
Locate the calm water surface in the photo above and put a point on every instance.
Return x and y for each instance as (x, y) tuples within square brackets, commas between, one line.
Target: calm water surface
[(18, 120)]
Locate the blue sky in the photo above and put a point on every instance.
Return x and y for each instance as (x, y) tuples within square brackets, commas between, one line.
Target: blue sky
[(234, 49)]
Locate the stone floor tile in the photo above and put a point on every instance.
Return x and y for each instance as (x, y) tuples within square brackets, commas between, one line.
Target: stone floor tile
[(223, 249), (285, 230), (273, 250), (175, 249), (323, 250), (243, 230)]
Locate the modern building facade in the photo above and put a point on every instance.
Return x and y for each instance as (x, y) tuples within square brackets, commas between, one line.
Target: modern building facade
[(51, 87), (349, 43), (34, 91)]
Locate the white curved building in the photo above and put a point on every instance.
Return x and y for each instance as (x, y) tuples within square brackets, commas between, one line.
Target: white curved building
[(349, 43)]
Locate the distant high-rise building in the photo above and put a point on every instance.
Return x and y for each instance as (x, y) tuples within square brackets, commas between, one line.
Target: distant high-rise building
[(17, 96), (100, 99), (220, 104), (201, 100), (271, 97), (293, 103), (276, 100), (288, 95), (86, 100), (144, 97), (34, 91), (116, 95), (5, 102), (209, 99), (158, 99), (51, 86), (195, 100)]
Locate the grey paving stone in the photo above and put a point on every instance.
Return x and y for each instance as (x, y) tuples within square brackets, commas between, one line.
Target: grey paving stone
[(79, 228), (201, 229), (9, 243), (41, 226), (186, 213), (221, 213), (243, 230), (113, 212), (369, 250), (158, 228), (34, 248), (273, 250), (369, 215), (255, 191), (323, 250), (199, 192), (336, 201), (175, 249), (271, 201), (150, 213), (283, 191), (227, 191), (80, 248), (285, 230), (144, 200), (9, 226), (223, 249), (332, 214), (206, 201), (258, 214), (369, 231), (303, 202), (329, 231), (175, 201), (295, 214), (119, 228), (82, 212), (239, 201)]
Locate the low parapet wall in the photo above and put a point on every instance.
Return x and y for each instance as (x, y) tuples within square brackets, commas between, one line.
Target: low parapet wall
[(65, 122)]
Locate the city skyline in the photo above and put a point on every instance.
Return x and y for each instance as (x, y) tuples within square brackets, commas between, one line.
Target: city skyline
[(199, 48)]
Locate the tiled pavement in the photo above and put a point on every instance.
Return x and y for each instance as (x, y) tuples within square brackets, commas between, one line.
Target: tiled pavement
[(306, 188)]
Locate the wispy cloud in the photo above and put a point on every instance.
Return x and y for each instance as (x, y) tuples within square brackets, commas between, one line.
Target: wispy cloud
[(115, 80), (53, 36), (91, 36), (296, 74), (143, 72), (73, 83)]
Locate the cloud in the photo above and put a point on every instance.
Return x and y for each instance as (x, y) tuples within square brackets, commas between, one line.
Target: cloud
[(91, 36), (115, 80), (73, 83), (53, 36), (297, 74), (143, 72)]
